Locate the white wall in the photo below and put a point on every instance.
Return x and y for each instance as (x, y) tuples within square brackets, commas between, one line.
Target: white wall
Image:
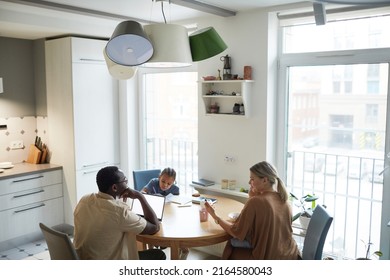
[(244, 138), (252, 40)]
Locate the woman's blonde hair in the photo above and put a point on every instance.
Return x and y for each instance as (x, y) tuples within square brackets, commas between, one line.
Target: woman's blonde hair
[(265, 169)]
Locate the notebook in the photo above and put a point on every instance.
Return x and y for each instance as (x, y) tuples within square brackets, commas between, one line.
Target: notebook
[(203, 182), (157, 202)]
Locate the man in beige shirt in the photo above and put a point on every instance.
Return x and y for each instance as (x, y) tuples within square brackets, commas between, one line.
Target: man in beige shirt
[(106, 228)]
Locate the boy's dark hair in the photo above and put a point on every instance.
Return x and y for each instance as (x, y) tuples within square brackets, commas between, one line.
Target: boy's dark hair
[(170, 172)]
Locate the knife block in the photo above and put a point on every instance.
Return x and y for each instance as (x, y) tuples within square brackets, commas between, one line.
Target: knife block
[(34, 155)]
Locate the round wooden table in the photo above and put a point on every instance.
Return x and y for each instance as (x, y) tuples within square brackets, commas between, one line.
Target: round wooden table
[(181, 226)]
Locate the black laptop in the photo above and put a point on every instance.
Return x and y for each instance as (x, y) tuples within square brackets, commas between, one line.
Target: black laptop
[(157, 202)]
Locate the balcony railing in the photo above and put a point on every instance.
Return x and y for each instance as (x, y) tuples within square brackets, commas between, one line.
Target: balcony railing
[(179, 154), (351, 188)]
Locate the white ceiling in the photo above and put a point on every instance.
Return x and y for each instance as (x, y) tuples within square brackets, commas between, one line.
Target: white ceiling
[(32, 19)]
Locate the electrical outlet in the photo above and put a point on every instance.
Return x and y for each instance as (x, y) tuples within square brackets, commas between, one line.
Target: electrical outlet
[(229, 159), (17, 144)]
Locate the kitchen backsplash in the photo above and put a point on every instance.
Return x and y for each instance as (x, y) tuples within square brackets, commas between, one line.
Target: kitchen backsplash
[(23, 129)]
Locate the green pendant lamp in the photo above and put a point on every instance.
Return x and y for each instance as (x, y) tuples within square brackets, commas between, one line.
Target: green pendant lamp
[(206, 43)]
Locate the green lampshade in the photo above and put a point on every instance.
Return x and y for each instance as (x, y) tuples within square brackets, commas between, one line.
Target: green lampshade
[(206, 43)]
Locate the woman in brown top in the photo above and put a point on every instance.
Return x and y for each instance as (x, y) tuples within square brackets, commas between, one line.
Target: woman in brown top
[(263, 229)]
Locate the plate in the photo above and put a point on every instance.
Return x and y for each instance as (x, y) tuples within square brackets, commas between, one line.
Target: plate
[(1, 170), (6, 166), (233, 216)]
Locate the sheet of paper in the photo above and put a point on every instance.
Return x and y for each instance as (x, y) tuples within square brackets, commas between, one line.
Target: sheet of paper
[(179, 199)]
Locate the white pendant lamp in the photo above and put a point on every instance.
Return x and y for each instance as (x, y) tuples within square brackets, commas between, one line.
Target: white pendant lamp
[(171, 46), (117, 71), (129, 45)]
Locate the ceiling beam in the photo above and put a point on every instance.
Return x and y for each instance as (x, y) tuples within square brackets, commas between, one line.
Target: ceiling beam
[(358, 2), (74, 10), (203, 7)]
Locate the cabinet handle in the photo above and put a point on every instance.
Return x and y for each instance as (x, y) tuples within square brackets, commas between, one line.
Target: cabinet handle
[(95, 164), (91, 171), (23, 210), (27, 179), (91, 59), (21, 195)]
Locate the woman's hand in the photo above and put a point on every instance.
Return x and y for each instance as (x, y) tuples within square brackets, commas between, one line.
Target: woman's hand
[(210, 209)]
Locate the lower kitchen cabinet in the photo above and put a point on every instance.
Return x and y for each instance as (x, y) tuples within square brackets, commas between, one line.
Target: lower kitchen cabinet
[(23, 220), (27, 200)]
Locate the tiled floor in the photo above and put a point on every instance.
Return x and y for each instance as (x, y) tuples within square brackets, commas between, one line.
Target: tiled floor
[(38, 251), (31, 251)]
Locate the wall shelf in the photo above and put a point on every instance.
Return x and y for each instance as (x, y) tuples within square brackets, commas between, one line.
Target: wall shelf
[(226, 93)]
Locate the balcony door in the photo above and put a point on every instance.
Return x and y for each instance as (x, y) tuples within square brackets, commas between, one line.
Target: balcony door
[(336, 142)]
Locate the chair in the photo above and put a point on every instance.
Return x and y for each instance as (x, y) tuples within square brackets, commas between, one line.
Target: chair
[(59, 244), (316, 234), (142, 177)]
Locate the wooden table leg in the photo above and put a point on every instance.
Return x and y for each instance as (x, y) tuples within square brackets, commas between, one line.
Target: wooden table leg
[(175, 251)]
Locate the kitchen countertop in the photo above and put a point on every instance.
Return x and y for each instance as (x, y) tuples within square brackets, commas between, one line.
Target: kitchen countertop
[(27, 169)]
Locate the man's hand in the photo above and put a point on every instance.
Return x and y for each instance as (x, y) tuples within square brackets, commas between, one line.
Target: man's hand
[(130, 193)]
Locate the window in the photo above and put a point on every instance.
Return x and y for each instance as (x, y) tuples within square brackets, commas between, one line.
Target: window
[(170, 121), (372, 113), (351, 129), (363, 33)]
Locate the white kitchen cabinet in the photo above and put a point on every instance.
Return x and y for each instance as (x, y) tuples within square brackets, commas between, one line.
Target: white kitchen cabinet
[(94, 118), (86, 181), (225, 94), (27, 200), (83, 114)]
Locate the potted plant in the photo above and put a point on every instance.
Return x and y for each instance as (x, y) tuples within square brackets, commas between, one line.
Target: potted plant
[(305, 212), (368, 253)]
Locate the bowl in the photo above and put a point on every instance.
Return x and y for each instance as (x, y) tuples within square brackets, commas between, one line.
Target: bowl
[(209, 78)]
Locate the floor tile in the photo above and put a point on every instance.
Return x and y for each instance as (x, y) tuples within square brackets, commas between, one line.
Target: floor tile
[(32, 258), (43, 255), (17, 255), (33, 248)]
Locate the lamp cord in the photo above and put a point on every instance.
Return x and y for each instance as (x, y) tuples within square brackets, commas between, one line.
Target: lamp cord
[(162, 11)]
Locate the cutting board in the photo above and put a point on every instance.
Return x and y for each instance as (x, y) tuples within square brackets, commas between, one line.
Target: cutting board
[(34, 155)]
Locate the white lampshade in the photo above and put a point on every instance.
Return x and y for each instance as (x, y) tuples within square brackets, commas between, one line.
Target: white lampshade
[(171, 46), (118, 71)]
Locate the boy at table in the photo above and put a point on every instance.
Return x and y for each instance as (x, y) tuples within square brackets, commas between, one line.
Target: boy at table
[(164, 184)]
